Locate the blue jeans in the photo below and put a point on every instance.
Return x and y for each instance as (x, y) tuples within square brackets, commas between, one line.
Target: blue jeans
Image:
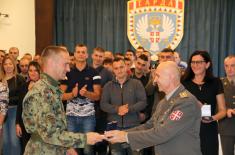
[(83, 125), (11, 143)]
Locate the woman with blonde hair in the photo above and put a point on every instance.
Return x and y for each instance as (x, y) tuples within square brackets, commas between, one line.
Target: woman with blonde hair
[(9, 76)]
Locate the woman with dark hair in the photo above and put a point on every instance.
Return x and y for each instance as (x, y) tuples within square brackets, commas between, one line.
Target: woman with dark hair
[(200, 81), (34, 75)]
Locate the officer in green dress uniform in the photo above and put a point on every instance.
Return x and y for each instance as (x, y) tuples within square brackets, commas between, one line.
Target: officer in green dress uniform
[(174, 126), (227, 125)]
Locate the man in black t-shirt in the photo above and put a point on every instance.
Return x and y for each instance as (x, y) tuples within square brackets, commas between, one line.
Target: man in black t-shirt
[(82, 89), (106, 76)]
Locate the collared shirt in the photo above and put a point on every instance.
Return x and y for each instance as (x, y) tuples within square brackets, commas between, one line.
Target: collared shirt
[(168, 96), (232, 82), (51, 81)]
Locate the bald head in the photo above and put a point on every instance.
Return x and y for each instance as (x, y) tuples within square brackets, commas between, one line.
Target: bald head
[(229, 66), (170, 68), (167, 76)]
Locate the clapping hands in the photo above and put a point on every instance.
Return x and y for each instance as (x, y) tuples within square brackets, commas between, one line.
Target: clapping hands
[(83, 90)]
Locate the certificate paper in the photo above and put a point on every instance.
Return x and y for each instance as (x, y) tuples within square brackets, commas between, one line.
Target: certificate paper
[(206, 110)]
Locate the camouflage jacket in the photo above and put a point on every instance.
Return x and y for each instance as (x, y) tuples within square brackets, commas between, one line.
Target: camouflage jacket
[(44, 118)]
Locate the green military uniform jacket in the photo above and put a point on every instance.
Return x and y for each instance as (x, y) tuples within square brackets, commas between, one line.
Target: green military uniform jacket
[(44, 118), (227, 125), (174, 127)]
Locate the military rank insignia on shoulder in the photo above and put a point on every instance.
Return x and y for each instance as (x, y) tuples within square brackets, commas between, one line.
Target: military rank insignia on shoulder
[(183, 94), (223, 80)]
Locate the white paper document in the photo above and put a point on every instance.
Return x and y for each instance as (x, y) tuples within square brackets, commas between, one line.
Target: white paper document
[(206, 110)]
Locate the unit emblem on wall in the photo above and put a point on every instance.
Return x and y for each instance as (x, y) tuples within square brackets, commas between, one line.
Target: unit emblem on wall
[(155, 24)]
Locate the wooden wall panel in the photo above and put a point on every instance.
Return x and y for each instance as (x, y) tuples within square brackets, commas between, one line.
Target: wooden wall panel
[(44, 16)]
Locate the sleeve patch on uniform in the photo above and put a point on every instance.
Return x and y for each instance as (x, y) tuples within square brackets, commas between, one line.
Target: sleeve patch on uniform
[(176, 115)]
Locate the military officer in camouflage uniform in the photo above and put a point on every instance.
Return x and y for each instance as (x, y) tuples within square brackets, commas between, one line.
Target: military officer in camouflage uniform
[(43, 112), (227, 125), (174, 127)]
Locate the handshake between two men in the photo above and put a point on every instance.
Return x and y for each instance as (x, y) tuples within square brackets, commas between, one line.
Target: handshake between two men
[(112, 136)]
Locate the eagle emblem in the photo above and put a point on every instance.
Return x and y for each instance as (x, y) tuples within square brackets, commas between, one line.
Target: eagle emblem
[(155, 30), (155, 25)]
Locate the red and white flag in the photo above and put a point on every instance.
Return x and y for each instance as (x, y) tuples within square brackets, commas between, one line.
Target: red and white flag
[(176, 115)]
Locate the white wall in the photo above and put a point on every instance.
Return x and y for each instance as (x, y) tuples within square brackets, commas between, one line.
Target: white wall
[(19, 29)]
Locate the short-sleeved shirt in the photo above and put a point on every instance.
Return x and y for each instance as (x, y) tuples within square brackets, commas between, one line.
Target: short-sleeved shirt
[(206, 93), (80, 105), (105, 75)]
